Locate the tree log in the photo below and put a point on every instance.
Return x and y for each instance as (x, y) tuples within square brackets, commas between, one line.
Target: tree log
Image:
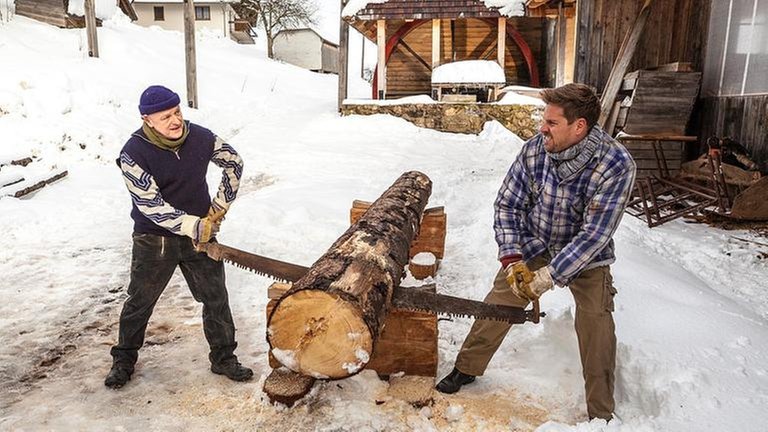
[(287, 387), (326, 326)]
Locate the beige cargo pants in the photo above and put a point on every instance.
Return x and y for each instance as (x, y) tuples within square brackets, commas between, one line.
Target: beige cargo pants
[(593, 293)]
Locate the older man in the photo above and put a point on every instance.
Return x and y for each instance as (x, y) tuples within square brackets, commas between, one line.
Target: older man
[(556, 213), (164, 166)]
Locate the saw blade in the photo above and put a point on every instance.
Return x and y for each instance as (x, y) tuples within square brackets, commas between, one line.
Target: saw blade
[(422, 299), (261, 265)]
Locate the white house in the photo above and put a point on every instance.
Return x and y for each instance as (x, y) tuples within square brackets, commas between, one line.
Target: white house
[(305, 48), (216, 16)]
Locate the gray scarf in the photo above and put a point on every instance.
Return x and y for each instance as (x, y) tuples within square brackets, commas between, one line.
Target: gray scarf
[(573, 159)]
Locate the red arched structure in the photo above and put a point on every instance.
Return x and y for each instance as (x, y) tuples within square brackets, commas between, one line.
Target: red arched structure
[(392, 42), (406, 28)]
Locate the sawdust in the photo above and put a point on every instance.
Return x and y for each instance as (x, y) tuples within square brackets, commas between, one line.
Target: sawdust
[(504, 411), (415, 390)]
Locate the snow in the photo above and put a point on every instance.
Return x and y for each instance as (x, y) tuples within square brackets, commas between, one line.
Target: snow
[(418, 99), (286, 358), (691, 310), (469, 71), (508, 8), (424, 258), (454, 413), (514, 98), (362, 357), (105, 9)]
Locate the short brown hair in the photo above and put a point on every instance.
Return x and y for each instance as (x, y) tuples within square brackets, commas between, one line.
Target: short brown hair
[(576, 100)]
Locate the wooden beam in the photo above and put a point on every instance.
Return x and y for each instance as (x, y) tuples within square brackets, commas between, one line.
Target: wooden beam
[(501, 41), (435, 43), (381, 45), (621, 64), (189, 52), (362, 56), (561, 38), (414, 54), (343, 58), (90, 28), (583, 28)]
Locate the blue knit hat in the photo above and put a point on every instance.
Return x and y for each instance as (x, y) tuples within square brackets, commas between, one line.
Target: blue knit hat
[(157, 98)]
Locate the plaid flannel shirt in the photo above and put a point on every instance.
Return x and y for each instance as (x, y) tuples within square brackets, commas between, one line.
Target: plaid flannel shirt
[(572, 219)]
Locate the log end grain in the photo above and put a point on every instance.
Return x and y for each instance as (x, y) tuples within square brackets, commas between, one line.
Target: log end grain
[(317, 334)]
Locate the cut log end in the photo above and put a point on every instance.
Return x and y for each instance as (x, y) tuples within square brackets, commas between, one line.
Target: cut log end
[(315, 333), (287, 387)]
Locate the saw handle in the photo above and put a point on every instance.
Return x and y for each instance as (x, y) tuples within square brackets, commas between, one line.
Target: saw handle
[(537, 313)]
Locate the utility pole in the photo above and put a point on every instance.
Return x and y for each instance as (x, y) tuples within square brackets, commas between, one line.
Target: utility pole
[(90, 28), (189, 51), (343, 57), (362, 58)]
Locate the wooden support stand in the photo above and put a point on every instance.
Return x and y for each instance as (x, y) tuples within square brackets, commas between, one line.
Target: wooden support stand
[(430, 238)]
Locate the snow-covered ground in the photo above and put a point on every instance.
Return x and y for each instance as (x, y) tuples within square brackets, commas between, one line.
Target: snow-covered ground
[(691, 311)]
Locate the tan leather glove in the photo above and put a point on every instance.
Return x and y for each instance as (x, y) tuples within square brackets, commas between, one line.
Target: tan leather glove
[(205, 229), (527, 284)]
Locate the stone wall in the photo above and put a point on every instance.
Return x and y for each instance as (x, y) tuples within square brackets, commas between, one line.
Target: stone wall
[(522, 120)]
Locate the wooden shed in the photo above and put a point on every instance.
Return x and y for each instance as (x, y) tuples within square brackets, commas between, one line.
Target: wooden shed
[(55, 12), (304, 47), (561, 41), (413, 37)]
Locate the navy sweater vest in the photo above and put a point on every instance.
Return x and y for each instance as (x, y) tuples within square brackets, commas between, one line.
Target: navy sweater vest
[(179, 175)]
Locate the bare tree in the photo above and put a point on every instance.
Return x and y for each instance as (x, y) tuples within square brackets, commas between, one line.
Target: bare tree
[(275, 15)]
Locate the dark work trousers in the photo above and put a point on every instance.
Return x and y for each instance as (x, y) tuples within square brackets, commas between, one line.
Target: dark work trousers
[(154, 260)]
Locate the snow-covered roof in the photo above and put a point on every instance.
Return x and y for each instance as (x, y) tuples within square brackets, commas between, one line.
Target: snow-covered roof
[(505, 7), (469, 71), (307, 29), (354, 6)]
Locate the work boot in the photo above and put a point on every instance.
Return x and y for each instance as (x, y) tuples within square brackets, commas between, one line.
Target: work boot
[(453, 382), (233, 370), (118, 376)]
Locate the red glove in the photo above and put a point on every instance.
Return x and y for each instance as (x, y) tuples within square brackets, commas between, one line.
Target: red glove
[(510, 259)]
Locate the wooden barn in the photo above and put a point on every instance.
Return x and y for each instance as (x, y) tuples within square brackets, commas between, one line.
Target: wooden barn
[(56, 12), (547, 43), (304, 47), (414, 37)]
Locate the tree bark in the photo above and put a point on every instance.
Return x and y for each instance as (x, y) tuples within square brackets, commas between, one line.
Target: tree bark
[(327, 325)]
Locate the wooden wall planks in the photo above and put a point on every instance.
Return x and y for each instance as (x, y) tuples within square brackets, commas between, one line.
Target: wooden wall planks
[(676, 31)]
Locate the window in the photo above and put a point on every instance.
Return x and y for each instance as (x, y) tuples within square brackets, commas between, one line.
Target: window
[(736, 61), (203, 13), (159, 13)]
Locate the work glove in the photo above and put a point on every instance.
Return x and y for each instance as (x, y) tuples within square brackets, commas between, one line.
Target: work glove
[(527, 284), (217, 211), (205, 229)]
